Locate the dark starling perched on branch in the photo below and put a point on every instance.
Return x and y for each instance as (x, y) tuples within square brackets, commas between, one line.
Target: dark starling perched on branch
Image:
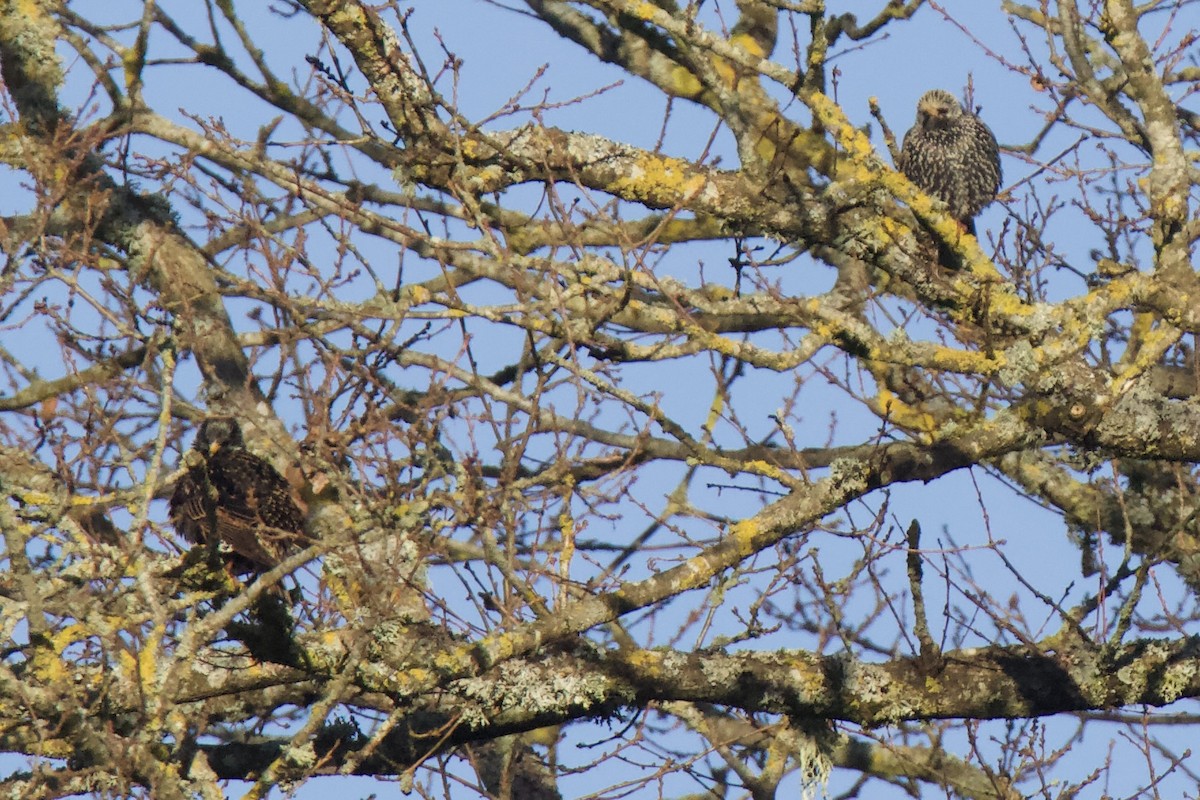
[(951, 154), (235, 502)]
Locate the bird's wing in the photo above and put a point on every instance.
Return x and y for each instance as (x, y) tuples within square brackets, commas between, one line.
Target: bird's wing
[(246, 539), (256, 515), (190, 504)]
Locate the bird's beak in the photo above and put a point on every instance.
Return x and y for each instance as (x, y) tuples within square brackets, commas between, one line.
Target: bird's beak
[(213, 447)]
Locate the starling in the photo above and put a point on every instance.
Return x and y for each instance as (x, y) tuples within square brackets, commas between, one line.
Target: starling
[(235, 502), (951, 154)]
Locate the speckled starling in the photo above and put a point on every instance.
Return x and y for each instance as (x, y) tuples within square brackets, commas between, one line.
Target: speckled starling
[(951, 154), (235, 502)]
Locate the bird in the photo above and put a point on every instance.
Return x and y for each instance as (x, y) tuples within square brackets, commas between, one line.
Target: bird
[(235, 502), (952, 154)]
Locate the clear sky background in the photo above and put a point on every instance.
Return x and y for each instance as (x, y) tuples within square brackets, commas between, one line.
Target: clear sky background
[(503, 50)]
